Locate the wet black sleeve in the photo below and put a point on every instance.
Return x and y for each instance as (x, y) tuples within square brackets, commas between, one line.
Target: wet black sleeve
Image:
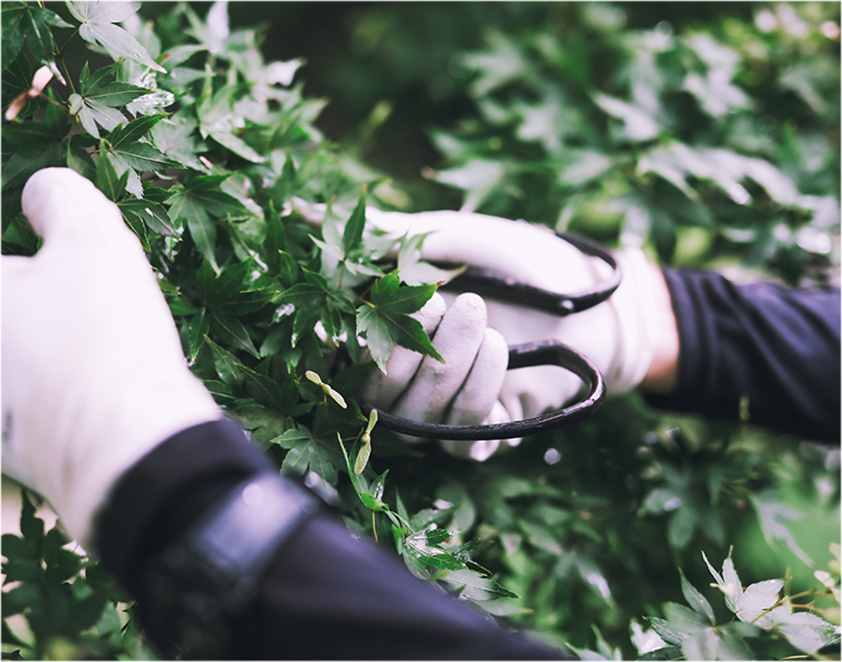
[(778, 347), (327, 594)]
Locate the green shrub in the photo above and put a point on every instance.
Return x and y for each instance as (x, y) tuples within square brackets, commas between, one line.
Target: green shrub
[(579, 123)]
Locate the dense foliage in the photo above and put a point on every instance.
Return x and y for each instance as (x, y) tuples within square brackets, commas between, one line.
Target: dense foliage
[(710, 145)]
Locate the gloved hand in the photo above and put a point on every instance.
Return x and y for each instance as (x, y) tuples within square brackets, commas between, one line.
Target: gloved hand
[(619, 335), (462, 390), (616, 335), (93, 372)]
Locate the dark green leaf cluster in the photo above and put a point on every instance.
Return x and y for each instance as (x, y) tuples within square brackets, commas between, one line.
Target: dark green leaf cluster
[(74, 610)]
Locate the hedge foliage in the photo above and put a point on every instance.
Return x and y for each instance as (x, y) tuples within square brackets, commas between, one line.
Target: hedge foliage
[(714, 143)]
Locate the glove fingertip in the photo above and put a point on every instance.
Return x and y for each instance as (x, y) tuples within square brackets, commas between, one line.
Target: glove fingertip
[(61, 198)]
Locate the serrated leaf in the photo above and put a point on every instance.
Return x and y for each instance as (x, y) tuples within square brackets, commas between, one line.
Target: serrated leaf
[(474, 586), (384, 322), (174, 137), (99, 97), (107, 179), (696, 600), (217, 120), (225, 364), (353, 234), (134, 130), (92, 114), (409, 333), (143, 157), (98, 18), (306, 452), (153, 214), (664, 630), (233, 330), (375, 330), (757, 599), (195, 202), (30, 24), (429, 551)]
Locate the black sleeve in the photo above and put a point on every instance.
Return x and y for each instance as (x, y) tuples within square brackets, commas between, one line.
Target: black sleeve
[(327, 594), (775, 346)]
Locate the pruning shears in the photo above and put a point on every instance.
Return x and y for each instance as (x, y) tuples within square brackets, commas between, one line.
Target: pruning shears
[(493, 285)]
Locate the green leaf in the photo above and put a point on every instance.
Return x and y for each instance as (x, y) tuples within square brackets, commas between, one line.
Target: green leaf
[(185, 206), (232, 330), (353, 234), (134, 130), (198, 200), (30, 24), (153, 214), (98, 18), (174, 137), (225, 364), (474, 586), (384, 321), (426, 546), (195, 332), (99, 97), (107, 179), (142, 157), (31, 526), (264, 390), (666, 631), (217, 120), (306, 452), (695, 599), (375, 329)]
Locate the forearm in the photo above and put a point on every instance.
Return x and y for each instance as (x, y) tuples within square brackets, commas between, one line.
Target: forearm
[(772, 347), (325, 595)]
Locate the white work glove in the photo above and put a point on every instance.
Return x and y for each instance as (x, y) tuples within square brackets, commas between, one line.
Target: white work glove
[(93, 373), (617, 335), (462, 390)]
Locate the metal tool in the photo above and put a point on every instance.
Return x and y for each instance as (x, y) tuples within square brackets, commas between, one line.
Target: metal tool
[(492, 285)]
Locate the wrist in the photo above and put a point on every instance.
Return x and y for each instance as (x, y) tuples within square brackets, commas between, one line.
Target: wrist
[(662, 375)]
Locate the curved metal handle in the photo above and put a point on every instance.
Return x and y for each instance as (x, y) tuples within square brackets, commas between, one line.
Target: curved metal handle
[(547, 352), (493, 285)]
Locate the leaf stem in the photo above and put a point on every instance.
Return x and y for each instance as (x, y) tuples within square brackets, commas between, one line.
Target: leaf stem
[(54, 102)]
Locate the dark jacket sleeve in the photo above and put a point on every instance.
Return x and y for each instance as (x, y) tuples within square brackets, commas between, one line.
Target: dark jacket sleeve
[(327, 594), (777, 347)]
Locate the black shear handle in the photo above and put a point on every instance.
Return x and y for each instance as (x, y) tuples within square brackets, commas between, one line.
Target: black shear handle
[(494, 285), (547, 352)]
